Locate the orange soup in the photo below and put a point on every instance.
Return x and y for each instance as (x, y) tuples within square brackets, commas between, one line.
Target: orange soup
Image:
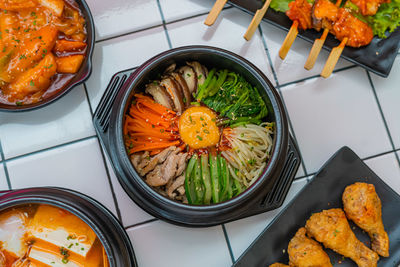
[(42, 235)]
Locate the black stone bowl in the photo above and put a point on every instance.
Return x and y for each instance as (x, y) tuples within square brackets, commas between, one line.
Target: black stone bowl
[(109, 119), (108, 229)]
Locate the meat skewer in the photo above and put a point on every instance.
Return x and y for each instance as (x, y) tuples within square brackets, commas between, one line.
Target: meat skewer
[(256, 21), (214, 12), (346, 28), (317, 46), (300, 13)]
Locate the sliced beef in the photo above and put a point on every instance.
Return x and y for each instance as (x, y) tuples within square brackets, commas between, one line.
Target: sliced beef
[(175, 185), (163, 173), (181, 163), (140, 160), (158, 159)]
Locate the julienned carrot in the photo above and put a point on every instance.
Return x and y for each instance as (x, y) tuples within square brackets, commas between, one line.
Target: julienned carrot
[(155, 152), (150, 126), (150, 103), (152, 146)]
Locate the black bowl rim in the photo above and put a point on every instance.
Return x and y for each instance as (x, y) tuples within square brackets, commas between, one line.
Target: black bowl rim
[(29, 107), (15, 197), (273, 96)]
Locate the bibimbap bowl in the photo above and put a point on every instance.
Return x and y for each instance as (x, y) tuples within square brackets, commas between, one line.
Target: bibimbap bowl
[(246, 203), (107, 228)]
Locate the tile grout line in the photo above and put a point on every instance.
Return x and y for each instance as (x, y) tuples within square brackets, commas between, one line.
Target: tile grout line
[(228, 243), (116, 204), (363, 159), (383, 116), (281, 95), (141, 223), (316, 76), (164, 24), (50, 148), (381, 154), (156, 26), (5, 167)]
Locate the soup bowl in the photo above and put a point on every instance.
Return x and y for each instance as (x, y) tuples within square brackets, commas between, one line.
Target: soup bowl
[(82, 75), (107, 228), (264, 194)]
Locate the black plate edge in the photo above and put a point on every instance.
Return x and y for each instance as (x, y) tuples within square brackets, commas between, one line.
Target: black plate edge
[(396, 34), (341, 151)]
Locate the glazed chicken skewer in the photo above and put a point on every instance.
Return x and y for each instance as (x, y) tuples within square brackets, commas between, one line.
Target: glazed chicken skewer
[(300, 13), (317, 46), (344, 26)]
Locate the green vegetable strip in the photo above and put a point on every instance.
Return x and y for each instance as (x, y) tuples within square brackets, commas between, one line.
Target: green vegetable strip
[(224, 179), (235, 99), (198, 183), (189, 185), (221, 78), (237, 187), (202, 88), (205, 174), (214, 178)]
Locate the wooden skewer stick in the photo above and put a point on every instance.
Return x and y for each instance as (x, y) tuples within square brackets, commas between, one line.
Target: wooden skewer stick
[(317, 46), (214, 12), (333, 58), (256, 21), (290, 37), (315, 50)]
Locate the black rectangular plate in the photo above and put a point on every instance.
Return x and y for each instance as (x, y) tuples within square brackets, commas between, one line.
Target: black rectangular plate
[(325, 192), (377, 57)]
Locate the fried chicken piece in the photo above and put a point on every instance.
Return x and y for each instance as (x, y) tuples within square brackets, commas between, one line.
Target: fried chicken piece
[(363, 206), (277, 264), (369, 7), (331, 228), (341, 23), (305, 252), (300, 10)]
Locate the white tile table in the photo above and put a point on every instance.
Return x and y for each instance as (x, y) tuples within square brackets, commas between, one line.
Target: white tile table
[(57, 145)]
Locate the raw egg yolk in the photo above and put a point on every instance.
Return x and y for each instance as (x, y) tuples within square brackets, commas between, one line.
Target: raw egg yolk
[(197, 127)]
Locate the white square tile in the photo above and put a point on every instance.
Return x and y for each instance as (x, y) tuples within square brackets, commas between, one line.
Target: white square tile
[(77, 166), (387, 168), (292, 68), (388, 93), (330, 113), (122, 53), (130, 212), (162, 244), (3, 179), (243, 232), (64, 121), (226, 33), (117, 17), (178, 9)]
